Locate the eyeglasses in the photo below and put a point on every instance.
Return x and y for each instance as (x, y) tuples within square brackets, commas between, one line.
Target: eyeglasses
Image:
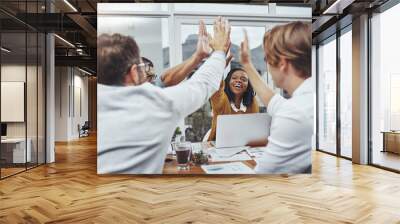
[(142, 65), (151, 76), (148, 67)]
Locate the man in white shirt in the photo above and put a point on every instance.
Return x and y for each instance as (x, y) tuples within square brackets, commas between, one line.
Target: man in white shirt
[(287, 51), (136, 119)]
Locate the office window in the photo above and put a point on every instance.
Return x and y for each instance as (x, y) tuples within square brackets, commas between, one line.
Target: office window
[(314, 80), (151, 34), (327, 96), (189, 40), (222, 9), (122, 8), (394, 101), (346, 94), (385, 89), (293, 11)]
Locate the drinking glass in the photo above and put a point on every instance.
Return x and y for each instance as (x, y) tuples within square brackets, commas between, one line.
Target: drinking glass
[(183, 151)]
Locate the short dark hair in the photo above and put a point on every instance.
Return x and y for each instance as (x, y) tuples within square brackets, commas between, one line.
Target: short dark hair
[(115, 56), (147, 61), (247, 96)]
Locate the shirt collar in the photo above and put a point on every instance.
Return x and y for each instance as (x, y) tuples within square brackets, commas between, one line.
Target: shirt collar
[(305, 87), (242, 108)]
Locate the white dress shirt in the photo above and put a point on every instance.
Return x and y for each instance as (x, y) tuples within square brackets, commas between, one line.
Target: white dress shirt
[(136, 123), (289, 143)]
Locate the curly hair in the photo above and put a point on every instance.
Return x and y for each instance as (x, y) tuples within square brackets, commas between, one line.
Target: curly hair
[(248, 94)]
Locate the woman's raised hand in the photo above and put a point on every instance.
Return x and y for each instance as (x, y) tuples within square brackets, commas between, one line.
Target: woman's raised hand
[(245, 57)]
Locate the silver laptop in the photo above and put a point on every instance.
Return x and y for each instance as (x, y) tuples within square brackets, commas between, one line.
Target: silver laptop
[(242, 129)]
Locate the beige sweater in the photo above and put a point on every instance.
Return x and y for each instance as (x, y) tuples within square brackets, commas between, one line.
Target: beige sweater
[(220, 105)]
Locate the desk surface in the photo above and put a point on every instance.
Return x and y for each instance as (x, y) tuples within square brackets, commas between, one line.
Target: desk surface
[(171, 168)]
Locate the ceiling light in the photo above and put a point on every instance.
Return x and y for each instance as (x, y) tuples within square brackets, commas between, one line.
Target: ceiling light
[(338, 6), (86, 72), (5, 50), (64, 40), (70, 5)]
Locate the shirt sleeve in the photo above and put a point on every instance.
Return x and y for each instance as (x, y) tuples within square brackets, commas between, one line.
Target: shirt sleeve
[(190, 95)]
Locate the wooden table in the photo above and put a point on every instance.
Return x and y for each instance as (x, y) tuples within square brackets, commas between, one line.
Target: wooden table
[(170, 166)]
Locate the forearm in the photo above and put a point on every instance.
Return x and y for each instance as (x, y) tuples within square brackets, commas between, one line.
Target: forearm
[(192, 94), (263, 91), (178, 73)]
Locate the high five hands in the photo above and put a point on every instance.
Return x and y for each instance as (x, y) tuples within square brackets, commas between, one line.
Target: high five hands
[(245, 57), (203, 47), (220, 41)]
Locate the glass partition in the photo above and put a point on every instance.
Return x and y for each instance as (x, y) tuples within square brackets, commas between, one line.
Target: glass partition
[(327, 96), (13, 105), (385, 89), (346, 93), (41, 97), (22, 90), (31, 98)]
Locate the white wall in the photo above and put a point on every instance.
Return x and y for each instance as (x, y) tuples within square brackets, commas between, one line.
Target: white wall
[(71, 94), (33, 126), (14, 73)]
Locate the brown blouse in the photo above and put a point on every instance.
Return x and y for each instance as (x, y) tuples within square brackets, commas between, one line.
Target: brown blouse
[(220, 105)]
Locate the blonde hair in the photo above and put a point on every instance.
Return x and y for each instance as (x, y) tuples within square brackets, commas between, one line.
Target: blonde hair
[(291, 42)]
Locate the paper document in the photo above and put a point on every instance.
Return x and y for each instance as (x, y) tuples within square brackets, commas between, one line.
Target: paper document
[(257, 152), (228, 152), (243, 156), (218, 155), (228, 168)]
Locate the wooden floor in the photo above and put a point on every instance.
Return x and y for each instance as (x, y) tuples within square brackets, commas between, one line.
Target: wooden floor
[(10, 171), (70, 191), (386, 159)]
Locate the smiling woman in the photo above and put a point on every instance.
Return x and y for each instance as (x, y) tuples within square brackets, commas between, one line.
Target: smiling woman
[(235, 96)]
